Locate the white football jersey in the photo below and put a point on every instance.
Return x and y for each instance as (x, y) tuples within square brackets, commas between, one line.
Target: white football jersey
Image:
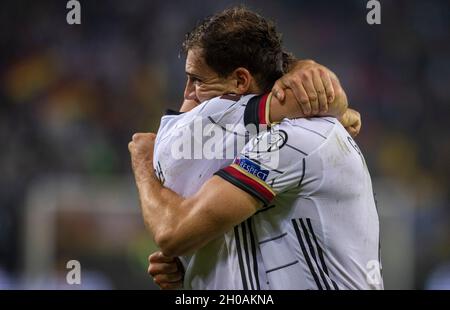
[(231, 261), (319, 228)]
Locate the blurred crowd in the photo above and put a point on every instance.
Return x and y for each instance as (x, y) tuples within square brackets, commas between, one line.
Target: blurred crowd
[(71, 96)]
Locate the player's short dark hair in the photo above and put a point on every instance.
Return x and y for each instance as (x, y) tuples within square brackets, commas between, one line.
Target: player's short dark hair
[(238, 37)]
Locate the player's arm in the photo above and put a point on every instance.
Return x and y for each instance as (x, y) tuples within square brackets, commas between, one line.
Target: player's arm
[(349, 118), (308, 89), (267, 109), (182, 225), (289, 108)]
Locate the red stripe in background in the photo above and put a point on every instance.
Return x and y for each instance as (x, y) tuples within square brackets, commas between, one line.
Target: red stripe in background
[(250, 182), (262, 110)]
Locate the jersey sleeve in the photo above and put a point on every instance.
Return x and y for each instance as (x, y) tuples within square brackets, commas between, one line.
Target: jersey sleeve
[(267, 166)]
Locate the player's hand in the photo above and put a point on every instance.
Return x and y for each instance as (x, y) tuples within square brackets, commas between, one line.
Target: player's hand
[(141, 151), (351, 120), (167, 272), (311, 84), (188, 104)]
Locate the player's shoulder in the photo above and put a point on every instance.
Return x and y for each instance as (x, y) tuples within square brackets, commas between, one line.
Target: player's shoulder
[(307, 134)]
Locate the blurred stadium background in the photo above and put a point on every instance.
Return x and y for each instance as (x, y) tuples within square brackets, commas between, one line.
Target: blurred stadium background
[(72, 96)]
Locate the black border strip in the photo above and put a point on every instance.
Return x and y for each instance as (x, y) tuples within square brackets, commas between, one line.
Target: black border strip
[(313, 254), (319, 249), (243, 186), (254, 253), (281, 267), (306, 255), (303, 172), (247, 255), (241, 260), (274, 238), (251, 112)]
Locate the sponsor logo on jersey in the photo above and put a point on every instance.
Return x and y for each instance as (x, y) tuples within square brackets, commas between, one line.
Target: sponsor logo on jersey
[(252, 168)]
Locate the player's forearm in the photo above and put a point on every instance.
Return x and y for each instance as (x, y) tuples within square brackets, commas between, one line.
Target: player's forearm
[(291, 109), (298, 90), (159, 207), (287, 109), (169, 217)]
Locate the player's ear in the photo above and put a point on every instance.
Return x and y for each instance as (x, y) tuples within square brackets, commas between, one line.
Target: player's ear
[(243, 80)]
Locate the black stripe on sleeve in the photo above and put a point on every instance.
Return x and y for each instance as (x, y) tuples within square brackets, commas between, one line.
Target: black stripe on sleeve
[(306, 255), (241, 260), (243, 186), (251, 115), (255, 261), (319, 249)]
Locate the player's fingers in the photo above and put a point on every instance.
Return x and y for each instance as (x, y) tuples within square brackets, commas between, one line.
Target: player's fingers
[(171, 286), (161, 268), (352, 131), (351, 120), (336, 86), (168, 278), (345, 119), (308, 84), (329, 89), (278, 89), (159, 257), (296, 86), (301, 96), (320, 89), (354, 119), (150, 256), (357, 127), (304, 100)]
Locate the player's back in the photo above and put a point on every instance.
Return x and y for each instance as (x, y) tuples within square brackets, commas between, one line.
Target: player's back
[(323, 232)]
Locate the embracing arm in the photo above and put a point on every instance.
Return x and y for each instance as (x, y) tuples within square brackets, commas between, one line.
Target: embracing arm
[(349, 118), (182, 225), (308, 89), (290, 109)]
